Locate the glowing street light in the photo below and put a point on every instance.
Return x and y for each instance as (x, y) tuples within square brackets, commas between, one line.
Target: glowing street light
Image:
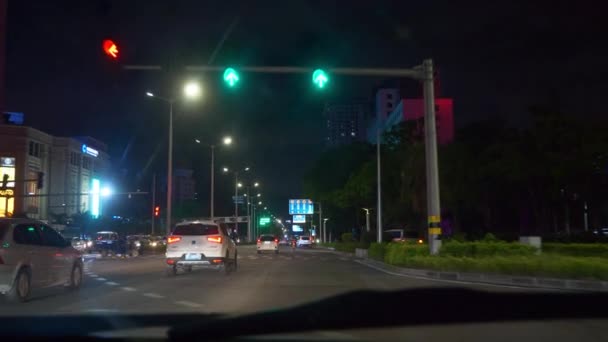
[(240, 185), (227, 140), (106, 192), (256, 184), (260, 203), (225, 169), (259, 195), (192, 90)]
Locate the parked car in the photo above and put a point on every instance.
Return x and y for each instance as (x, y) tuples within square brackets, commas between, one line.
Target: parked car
[(267, 242), (200, 244), (81, 245), (402, 235), (33, 256)]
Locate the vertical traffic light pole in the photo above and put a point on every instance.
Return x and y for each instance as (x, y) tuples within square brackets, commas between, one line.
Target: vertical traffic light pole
[(432, 169)]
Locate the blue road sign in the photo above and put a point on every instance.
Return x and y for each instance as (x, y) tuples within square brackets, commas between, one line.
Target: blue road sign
[(301, 207)]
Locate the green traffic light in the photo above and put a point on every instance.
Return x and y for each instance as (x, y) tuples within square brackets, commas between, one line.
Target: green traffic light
[(320, 78), (231, 77)]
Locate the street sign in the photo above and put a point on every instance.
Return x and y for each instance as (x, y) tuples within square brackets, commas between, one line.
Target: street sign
[(239, 199), (301, 207), (230, 219), (264, 221), (299, 219)]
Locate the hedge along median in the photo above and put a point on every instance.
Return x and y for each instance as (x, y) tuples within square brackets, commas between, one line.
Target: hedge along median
[(599, 250), (491, 257)]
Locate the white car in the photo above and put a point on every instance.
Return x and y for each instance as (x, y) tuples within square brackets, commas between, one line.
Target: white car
[(304, 241), (267, 242), (200, 244), (33, 255)]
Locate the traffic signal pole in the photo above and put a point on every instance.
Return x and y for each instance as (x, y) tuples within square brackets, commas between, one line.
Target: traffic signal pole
[(422, 73), (432, 168)]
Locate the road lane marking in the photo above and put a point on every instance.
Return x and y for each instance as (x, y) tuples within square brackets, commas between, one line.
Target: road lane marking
[(128, 289), (153, 295), (102, 279), (93, 275), (188, 304), (101, 310), (343, 259), (111, 283)]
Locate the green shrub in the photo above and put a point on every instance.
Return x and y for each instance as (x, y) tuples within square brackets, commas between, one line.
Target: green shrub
[(377, 251), (346, 237), (547, 266), (350, 246), (489, 237), (476, 249), (460, 237), (577, 249), (396, 252)]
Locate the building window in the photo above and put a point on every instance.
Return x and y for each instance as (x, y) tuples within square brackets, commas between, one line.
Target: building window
[(389, 105), (75, 158), (389, 96), (34, 149), (86, 163)]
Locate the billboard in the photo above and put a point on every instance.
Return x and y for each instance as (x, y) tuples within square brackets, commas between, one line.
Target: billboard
[(94, 194), (301, 206), (299, 219), (297, 228), (7, 203)]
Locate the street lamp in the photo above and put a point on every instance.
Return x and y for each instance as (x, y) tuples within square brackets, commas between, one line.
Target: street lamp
[(226, 141), (237, 185), (325, 229), (191, 90), (256, 184), (260, 203), (259, 195)]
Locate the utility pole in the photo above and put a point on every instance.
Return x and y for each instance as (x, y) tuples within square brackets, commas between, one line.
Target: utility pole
[(320, 233), (249, 215), (586, 217), (379, 185), (236, 204), (212, 181), (153, 201), (432, 167), (170, 170)]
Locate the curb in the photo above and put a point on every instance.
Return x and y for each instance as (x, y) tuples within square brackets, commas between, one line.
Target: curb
[(493, 279)]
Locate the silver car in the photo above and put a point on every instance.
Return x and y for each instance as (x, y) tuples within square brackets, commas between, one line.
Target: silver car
[(34, 255)]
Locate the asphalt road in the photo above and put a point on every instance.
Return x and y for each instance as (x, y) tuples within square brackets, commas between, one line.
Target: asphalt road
[(262, 282)]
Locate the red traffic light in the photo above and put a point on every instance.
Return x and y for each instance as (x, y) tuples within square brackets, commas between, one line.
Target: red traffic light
[(110, 48), (156, 211)]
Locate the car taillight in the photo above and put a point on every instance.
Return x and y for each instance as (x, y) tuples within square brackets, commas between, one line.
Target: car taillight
[(217, 239), (173, 239), (259, 241), (276, 240)]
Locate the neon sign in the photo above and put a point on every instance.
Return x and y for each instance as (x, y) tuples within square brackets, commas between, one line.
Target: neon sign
[(89, 150)]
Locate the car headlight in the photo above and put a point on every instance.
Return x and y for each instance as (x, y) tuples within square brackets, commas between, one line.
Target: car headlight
[(137, 244), (89, 243), (153, 244)]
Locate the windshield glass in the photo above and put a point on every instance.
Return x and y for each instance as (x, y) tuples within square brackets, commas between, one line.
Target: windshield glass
[(241, 156), (196, 229)]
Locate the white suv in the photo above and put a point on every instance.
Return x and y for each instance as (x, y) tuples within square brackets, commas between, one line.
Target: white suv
[(267, 242), (34, 255), (200, 244), (304, 241)]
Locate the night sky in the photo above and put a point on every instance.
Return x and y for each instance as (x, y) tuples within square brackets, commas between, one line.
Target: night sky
[(495, 59)]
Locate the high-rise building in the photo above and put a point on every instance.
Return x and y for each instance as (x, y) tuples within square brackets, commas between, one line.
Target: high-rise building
[(68, 169), (413, 109), (345, 123)]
